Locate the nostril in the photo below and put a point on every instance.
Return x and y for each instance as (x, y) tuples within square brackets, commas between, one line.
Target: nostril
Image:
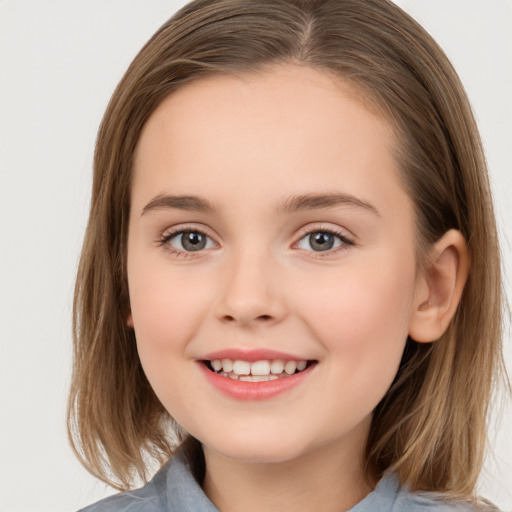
[(230, 318)]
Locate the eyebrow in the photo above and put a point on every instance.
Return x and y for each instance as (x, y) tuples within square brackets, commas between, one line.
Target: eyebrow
[(319, 201), (290, 205), (188, 203)]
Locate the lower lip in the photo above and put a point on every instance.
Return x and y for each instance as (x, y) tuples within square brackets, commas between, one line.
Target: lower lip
[(241, 390)]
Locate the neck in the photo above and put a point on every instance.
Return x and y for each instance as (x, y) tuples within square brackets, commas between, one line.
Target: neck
[(330, 479)]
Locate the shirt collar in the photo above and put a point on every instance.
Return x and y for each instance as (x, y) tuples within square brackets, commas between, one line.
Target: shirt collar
[(184, 494)]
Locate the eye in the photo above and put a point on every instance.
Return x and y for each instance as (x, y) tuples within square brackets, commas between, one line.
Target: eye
[(188, 241), (323, 241)]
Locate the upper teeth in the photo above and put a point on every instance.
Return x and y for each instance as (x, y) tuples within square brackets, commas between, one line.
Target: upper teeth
[(263, 367)]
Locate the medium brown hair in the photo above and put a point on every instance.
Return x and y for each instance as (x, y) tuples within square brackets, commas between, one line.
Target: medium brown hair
[(431, 425)]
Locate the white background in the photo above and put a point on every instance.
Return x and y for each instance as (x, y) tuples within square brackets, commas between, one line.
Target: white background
[(60, 61)]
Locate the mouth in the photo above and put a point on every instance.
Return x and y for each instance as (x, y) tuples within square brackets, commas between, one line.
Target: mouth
[(263, 370)]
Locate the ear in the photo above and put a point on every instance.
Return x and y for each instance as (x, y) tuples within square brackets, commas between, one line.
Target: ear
[(129, 320), (440, 287)]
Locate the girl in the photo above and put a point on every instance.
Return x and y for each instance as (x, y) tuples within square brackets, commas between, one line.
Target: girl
[(289, 293)]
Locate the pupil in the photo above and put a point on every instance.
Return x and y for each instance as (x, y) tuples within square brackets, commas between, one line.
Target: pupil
[(321, 241), (193, 241)]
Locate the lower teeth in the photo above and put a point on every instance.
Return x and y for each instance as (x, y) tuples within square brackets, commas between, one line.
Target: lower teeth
[(254, 378), (257, 378)]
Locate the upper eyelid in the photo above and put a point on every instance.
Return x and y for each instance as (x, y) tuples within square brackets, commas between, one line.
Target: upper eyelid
[(307, 230), (183, 228), (322, 227), (301, 232)]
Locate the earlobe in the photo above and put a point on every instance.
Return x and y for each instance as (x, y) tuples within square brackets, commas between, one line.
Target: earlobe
[(440, 289), (129, 320)]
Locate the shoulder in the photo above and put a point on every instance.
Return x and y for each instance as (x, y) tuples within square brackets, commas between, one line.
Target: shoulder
[(173, 489), (408, 501), (390, 496), (428, 502), (150, 498)]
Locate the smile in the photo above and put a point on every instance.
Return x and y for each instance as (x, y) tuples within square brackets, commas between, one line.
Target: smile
[(255, 375), (256, 371)]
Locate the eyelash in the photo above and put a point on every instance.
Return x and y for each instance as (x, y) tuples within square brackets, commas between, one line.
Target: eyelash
[(345, 241)]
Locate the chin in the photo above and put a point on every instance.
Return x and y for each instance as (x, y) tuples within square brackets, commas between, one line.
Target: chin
[(256, 448)]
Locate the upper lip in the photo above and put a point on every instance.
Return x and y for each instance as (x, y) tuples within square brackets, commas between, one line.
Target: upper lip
[(251, 355)]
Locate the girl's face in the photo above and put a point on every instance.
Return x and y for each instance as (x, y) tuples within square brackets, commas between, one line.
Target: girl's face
[(268, 224)]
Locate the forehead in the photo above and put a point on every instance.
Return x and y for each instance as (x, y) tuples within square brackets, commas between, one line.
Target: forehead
[(279, 89), (292, 127)]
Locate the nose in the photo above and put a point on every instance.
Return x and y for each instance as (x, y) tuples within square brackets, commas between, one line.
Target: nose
[(252, 291)]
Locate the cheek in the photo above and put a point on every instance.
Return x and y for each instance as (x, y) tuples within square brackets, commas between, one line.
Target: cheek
[(362, 314), (166, 309)]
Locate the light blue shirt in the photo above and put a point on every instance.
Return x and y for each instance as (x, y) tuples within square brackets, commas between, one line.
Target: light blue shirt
[(174, 489)]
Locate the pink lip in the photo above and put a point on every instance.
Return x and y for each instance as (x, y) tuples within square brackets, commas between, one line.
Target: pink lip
[(241, 390), (250, 355)]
